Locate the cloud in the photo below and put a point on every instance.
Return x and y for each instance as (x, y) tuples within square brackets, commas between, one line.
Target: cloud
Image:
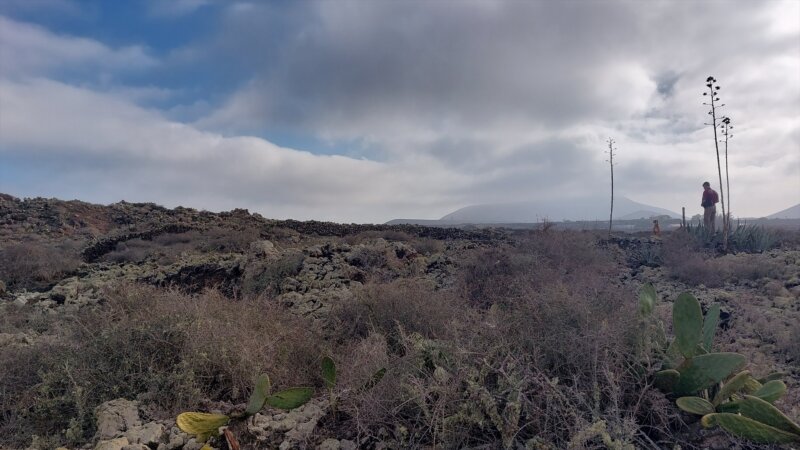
[(118, 150), (60, 7), (174, 8), (438, 105), (29, 50)]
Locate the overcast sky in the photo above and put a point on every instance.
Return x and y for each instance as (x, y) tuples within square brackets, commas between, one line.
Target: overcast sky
[(366, 111)]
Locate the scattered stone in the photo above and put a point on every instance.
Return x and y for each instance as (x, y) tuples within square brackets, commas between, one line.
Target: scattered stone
[(290, 429), (147, 434), (263, 248), (335, 444), (112, 444), (115, 417)]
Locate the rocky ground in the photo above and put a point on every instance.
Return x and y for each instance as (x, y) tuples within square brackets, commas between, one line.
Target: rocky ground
[(310, 267)]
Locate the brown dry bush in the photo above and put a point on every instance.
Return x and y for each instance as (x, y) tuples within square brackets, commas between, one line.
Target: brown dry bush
[(36, 264), (428, 246), (368, 257), (410, 305), (163, 347), (557, 352), (688, 263), (748, 267), (167, 248), (264, 277)]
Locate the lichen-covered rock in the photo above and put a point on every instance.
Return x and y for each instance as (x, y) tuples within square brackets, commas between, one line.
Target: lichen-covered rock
[(112, 444), (263, 248), (287, 430), (147, 434), (116, 417), (336, 444)]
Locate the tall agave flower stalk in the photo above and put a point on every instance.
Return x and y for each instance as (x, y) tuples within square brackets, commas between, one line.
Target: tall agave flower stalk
[(726, 128), (713, 93), (610, 160)]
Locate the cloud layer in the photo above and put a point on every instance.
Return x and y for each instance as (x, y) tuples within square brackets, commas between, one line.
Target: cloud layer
[(430, 106)]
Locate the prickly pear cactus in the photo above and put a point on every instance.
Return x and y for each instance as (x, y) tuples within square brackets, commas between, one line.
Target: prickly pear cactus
[(647, 299), (687, 321), (695, 405), (742, 405), (749, 429), (704, 371), (259, 395), (290, 398), (202, 425)]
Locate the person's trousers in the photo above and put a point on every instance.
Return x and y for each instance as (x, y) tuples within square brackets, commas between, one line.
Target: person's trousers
[(710, 218)]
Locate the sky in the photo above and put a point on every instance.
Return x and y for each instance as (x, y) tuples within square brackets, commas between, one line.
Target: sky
[(366, 111)]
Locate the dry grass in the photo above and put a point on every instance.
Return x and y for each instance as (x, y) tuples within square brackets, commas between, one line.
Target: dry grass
[(35, 264), (535, 343), (167, 248), (163, 347), (694, 266)]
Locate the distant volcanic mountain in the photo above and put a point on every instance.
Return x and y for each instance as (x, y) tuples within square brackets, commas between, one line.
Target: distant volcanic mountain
[(555, 210), (788, 213)]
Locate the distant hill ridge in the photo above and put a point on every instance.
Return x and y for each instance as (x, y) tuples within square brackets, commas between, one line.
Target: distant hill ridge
[(793, 212), (585, 208)]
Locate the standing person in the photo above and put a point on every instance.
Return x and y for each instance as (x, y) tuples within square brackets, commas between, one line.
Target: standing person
[(710, 199)]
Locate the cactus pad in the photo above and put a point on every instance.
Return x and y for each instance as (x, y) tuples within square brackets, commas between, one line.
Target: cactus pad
[(771, 391), (749, 429), (290, 398), (695, 405), (666, 379), (731, 387), (259, 395), (329, 371), (704, 371), (203, 425), (647, 299), (687, 321), (710, 326), (762, 411)]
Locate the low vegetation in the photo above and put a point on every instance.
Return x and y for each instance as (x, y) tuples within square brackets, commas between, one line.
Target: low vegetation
[(534, 340)]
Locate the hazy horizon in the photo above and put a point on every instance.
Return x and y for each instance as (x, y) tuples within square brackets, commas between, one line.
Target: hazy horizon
[(370, 111)]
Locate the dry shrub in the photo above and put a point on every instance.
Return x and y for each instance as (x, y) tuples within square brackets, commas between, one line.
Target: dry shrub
[(692, 265), (368, 257), (748, 267), (686, 262), (168, 247), (36, 264), (410, 305), (552, 349), (264, 276), (489, 274), (163, 347), (371, 235), (428, 246), (505, 274)]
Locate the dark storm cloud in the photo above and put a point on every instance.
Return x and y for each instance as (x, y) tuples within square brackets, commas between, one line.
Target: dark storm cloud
[(352, 67), (466, 63), (666, 83)]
